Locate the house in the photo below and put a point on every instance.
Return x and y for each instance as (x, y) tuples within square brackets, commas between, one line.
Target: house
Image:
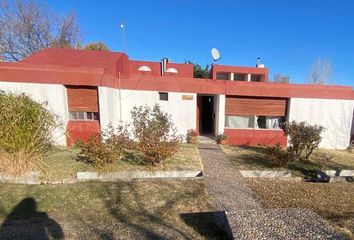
[(90, 89)]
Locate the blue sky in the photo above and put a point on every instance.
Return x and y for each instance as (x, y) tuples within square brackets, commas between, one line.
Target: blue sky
[(288, 35)]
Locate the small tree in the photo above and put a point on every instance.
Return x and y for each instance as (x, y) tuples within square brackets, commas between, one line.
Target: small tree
[(280, 78), (199, 71), (320, 71), (303, 138), (99, 46), (155, 132)]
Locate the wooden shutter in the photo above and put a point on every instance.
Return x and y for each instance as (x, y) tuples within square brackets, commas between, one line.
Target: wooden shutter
[(250, 106), (82, 98)]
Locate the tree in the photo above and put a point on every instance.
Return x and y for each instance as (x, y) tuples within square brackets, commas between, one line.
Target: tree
[(98, 46), (320, 71), (199, 71), (280, 78), (28, 26)]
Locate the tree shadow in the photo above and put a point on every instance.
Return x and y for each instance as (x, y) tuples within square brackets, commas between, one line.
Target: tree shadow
[(150, 222), (25, 222)]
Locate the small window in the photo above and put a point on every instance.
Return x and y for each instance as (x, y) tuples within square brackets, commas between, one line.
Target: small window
[(163, 96), (255, 78), (222, 76), (239, 77), (86, 116)]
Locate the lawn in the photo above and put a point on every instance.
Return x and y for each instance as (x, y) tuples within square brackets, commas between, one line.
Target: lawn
[(254, 158), (63, 163), (333, 201), (95, 210)]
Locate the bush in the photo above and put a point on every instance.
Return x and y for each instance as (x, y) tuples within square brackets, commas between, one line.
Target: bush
[(104, 149), (26, 131), (220, 138), (281, 157), (303, 138), (192, 136), (155, 132)]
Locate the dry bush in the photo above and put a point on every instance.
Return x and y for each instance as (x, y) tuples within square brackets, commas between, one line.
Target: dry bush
[(157, 137), (280, 157), (26, 130), (303, 138), (105, 148)]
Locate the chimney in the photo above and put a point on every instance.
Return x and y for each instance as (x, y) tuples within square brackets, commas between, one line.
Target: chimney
[(258, 64), (164, 62)]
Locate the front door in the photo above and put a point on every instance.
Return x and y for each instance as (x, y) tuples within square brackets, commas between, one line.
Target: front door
[(205, 105)]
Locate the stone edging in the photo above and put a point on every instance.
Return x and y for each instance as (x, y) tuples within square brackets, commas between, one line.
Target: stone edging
[(266, 174), (33, 178)]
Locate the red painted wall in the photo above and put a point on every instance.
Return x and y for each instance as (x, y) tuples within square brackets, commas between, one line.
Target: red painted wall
[(243, 70), (254, 137), (81, 130)]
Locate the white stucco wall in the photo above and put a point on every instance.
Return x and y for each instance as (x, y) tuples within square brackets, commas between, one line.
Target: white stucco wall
[(183, 112), (220, 114), (54, 94), (335, 115)]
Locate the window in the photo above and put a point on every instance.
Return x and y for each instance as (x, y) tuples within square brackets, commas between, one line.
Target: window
[(239, 121), (255, 78), (239, 77), (86, 116), (255, 122), (222, 76), (163, 96)]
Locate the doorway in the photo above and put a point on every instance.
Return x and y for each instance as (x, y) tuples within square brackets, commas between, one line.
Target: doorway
[(205, 115)]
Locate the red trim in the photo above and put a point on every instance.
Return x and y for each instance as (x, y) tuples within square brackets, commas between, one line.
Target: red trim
[(81, 130), (254, 137), (73, 73)]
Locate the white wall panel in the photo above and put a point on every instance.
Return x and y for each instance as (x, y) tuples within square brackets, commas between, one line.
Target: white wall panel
[(54, 94), (183, 112), (335, 115)]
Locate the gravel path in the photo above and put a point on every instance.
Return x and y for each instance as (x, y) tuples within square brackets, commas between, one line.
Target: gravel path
[(244, 217), (226, 186)]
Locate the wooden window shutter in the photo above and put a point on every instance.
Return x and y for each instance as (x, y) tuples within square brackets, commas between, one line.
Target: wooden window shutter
[(250, 106), (82, 98)]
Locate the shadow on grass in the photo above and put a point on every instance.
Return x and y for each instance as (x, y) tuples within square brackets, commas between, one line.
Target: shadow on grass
[(133, 208), (25, 222)]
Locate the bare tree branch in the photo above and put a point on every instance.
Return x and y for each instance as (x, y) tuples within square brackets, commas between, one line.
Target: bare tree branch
[(28, 26), (280, 78), (320, 71)]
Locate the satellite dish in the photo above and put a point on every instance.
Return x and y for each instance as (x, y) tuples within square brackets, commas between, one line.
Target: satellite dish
[(215, 54)]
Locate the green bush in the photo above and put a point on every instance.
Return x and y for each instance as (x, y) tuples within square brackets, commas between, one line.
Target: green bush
[(303, 138), (281, 157), (155, 132), (26, 131), (107, 147)]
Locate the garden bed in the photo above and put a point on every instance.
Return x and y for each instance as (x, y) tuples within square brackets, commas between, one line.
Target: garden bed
[(63, 163), (254, 158), (333, 201)]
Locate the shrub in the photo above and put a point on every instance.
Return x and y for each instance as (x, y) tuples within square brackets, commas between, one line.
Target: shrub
[(281, 157), (192, 136), (303, 138), (26, 131), (155, 132), (220, 138), (107, 147)]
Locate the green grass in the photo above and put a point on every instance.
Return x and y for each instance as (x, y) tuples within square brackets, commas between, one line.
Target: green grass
[(129, 210), (332, 201), (254, 158), (62, 163)]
